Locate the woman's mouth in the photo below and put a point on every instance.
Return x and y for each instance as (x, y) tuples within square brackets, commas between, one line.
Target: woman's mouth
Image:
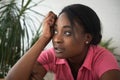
[(58, 50)]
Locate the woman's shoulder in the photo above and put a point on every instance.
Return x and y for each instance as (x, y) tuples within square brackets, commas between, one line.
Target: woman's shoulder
[(97, 49), (101, 54), (103, 60)]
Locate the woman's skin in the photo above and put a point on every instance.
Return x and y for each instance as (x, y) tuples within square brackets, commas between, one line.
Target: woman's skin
[(69, 42)]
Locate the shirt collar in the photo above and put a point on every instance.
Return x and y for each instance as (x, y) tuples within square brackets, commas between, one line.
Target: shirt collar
[(89, 58), (61, 61)]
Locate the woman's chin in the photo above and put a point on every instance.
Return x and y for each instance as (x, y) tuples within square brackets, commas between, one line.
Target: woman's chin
[(60, 56)]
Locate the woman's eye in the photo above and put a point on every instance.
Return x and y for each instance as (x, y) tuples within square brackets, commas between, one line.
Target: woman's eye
[(55, 32), (67, 33)]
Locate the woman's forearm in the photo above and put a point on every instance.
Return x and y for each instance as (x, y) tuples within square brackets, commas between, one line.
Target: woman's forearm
[(22, 69)]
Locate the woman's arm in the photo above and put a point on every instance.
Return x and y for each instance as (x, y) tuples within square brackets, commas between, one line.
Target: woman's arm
[(38, 72), (23, 68), (111, 75)]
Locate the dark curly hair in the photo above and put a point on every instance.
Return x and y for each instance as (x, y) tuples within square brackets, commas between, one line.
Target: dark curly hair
[(87, 17)]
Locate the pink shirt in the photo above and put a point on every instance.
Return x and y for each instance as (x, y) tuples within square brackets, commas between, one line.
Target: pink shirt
[(98, 61)]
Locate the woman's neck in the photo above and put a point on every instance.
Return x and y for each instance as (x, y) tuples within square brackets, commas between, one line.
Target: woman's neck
[(76, 62), (79, 59)]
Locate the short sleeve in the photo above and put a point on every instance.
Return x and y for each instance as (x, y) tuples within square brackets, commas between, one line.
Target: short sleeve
[(46, 58), (105, 62)]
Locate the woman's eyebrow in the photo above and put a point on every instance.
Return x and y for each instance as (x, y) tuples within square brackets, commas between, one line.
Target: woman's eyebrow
[(65, 26)]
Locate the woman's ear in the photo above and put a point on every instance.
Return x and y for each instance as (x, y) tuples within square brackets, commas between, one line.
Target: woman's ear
[(88, 38)]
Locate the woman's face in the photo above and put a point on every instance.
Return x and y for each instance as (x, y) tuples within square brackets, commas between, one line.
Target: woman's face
[(68, 41)]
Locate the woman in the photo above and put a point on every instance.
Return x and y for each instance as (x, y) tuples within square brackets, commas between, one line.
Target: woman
[(75, 55)]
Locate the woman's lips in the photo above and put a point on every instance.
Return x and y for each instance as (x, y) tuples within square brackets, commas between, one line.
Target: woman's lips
[(59, 50)]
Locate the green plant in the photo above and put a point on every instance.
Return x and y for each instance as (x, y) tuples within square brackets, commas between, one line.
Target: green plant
[(16, 26), (107, 45)]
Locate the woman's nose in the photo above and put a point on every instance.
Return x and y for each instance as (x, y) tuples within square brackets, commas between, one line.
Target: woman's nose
[(58, 38)]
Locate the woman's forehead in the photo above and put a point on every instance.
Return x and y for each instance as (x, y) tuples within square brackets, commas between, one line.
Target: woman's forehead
[(63, 20)]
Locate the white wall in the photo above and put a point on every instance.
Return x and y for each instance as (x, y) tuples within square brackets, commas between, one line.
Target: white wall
[(107, 10)]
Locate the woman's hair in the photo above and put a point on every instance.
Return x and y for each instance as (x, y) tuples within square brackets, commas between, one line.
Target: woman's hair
[(86, 17)]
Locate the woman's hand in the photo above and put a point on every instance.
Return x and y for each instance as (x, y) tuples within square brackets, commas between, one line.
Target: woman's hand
[(48, 25)]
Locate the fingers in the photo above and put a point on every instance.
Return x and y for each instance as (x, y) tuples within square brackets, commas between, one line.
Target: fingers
[(48, 24), (53, 15), (50, 18)]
